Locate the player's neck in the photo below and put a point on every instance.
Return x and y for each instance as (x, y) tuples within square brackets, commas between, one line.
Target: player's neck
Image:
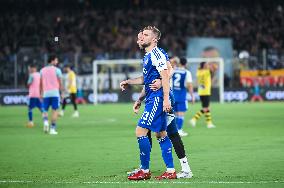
[(150, 48)]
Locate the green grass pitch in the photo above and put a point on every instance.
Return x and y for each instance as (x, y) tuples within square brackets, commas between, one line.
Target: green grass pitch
[(97, 149)]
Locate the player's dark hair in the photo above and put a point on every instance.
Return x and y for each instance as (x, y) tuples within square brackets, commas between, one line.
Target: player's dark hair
[(155, 30), (51, 57), (183, 61), (202, 64)]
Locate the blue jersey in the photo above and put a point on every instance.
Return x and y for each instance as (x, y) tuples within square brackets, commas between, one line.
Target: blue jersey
[(165, 53), (180, 79), (153, 63)]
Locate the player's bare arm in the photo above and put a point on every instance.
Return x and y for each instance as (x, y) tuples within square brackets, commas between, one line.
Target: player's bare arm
[(170, 69), (166, 90), (157, 84), (133, 81), (190, 89)]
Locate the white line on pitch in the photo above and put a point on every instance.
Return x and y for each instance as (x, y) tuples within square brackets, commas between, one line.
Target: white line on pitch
[(142, 182)]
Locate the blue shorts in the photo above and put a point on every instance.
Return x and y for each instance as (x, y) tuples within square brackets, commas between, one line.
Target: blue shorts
[(153, 117), (54, 102), (181, 106), (34, 102)]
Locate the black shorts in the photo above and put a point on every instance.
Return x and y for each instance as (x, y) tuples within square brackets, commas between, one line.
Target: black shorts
[(205, 100), (72, 97)]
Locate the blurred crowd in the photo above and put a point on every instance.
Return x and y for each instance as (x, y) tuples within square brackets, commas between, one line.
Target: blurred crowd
[(109, 31)]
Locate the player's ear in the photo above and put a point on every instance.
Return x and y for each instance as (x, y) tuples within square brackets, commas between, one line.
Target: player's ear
[(155, 40)]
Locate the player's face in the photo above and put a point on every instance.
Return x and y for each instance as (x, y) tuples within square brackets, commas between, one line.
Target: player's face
[(55, 61), (139, 40), (148, 38)]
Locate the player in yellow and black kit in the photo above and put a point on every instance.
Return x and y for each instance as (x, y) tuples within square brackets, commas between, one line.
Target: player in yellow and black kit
[(71, 90), (204, 76)]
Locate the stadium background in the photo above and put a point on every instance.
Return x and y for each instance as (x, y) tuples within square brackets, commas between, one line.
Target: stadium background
[(246, 148), (95, 30)]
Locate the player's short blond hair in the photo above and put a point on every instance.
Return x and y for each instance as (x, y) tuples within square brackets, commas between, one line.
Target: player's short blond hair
[(155, 30), (175, 59)]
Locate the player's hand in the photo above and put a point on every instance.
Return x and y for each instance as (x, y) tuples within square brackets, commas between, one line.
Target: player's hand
[(136, 106), (167, 105), (156, 85), (123, 85)]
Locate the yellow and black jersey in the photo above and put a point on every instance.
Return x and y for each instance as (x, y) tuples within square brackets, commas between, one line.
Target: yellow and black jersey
[(72, 88), (204, 82)]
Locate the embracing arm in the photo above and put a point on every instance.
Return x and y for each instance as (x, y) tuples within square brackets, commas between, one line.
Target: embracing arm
[(133, 81), (190, 89), (170, 69), (166, 90)]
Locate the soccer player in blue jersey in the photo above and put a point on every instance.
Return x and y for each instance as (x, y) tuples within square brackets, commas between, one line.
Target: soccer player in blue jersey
[(172, 130), (156, 106), (181, 82)]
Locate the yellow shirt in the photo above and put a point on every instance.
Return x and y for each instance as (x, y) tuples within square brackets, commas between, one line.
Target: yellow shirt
[(204, 82), (72, 82)]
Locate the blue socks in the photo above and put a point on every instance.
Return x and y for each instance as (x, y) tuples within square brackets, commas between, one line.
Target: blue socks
[(179, 121), (145, 149), (166, 147), (30, 115)]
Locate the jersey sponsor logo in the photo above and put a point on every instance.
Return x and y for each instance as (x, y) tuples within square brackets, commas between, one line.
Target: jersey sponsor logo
[(161, 64)]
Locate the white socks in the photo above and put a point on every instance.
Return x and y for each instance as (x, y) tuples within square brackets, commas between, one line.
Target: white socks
[(145, 170), (171, 170), (184, 165)]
